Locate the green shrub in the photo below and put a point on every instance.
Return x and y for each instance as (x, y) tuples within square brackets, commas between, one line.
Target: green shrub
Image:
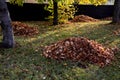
[(65, 11)]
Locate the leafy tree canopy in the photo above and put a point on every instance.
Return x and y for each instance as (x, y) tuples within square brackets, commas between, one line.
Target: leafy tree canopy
[(95, 2), (19, 2)]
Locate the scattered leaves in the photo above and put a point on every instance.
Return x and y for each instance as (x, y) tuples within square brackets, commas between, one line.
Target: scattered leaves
[(79, 49), (116, 32)]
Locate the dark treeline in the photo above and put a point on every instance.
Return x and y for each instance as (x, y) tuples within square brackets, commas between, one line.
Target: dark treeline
[(36, 11)]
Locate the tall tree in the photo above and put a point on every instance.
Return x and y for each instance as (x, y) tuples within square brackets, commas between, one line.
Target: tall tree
[(8, 38), (116, 16), (55, 7), (55, 4)]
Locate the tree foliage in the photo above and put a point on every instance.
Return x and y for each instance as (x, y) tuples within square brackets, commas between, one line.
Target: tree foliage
[(19, 2), (65, 10), (95, 2)]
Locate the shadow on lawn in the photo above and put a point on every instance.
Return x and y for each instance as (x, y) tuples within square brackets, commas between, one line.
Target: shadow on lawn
[(101, 32)]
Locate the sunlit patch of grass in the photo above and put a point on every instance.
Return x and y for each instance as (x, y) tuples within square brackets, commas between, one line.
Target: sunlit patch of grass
[(26, 62)]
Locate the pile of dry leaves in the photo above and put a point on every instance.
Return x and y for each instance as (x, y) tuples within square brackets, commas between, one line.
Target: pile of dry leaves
[(84, 18), (79, 49), (22, 29)]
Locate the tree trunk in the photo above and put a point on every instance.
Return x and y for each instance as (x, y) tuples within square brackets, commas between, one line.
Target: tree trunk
[(8, 38), (55, 8), (116, 16)]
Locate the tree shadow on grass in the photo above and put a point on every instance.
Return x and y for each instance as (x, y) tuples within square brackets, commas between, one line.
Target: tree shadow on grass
[(101, 32)]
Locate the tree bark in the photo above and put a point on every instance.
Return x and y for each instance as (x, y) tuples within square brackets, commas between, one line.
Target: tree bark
[(8, 37), (55, 8), (116, 15)]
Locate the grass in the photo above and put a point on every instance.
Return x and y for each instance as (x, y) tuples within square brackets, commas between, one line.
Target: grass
[(27, 63)]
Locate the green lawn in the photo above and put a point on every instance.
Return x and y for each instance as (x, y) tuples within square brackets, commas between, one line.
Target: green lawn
[(27, 63)]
